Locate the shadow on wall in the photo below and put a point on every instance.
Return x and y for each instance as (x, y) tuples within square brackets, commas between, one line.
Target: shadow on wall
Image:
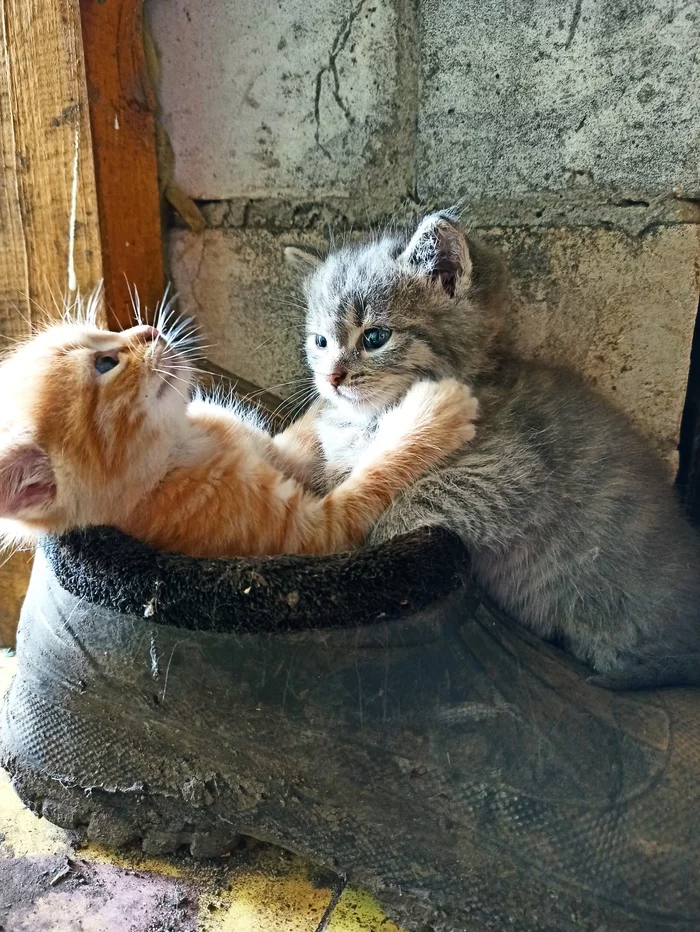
[(689, 446)]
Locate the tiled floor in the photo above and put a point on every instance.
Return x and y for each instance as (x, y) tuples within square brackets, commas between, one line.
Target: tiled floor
[(49, 884)]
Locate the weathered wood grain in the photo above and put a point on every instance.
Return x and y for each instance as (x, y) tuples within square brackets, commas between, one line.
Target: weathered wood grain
[(52, 163), (122, 114), (14, 306)]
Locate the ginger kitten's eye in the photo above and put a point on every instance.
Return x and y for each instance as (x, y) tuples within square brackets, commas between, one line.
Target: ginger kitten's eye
[(321, 342), (375, 337), (105, 362)]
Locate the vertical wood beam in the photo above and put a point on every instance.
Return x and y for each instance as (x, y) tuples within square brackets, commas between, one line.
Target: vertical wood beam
[(122, 114), (47, 150)]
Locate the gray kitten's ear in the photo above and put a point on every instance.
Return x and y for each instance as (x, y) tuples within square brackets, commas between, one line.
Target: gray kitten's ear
[(301, 260), (439, 250)]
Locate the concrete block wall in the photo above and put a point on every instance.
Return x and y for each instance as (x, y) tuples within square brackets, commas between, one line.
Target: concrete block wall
[(569, 133)]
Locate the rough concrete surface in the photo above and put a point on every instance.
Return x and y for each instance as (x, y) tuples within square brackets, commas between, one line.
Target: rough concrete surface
[(619, 309), (528, 97), (247, 302), (264, 98)]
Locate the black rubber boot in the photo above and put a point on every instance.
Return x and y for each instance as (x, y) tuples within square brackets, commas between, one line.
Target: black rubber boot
[(369, 711)]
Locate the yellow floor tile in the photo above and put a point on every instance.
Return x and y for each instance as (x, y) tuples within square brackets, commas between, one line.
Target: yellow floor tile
[(357, 911), (276, 894)]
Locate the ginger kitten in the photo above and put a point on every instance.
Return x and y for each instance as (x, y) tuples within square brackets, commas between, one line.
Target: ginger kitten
[(99, 428)]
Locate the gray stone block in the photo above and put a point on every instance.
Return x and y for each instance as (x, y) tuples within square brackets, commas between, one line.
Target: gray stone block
[(523, 98), (292, 100), (619, 309)]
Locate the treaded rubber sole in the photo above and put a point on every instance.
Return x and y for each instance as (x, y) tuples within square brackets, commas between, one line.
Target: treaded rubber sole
[(464, 773)]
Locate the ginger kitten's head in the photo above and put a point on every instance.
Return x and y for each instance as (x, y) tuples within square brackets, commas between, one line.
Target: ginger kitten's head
[(384, 313), (88, 419)]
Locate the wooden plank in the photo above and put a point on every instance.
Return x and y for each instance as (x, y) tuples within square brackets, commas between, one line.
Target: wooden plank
[(14, 314), (50, 244), (14, 305), (45, 83), (122, 114)]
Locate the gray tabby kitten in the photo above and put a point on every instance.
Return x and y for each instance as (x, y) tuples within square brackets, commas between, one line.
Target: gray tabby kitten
[(571, 524)]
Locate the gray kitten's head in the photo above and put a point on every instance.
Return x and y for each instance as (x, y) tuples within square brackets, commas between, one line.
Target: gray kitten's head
[(384, 313)]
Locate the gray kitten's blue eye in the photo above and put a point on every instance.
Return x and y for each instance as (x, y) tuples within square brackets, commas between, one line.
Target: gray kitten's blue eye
[(375, 337), (321, 342), (105, 363)]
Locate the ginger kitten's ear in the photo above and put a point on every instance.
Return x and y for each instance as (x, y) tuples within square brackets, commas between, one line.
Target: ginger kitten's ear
[(439, 250), (27, 479), (302, 260)]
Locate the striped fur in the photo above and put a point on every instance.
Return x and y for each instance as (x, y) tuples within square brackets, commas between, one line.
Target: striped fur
[(569, 518)]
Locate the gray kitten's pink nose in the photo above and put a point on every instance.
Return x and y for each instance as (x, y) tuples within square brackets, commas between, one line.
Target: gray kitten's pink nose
[(337, 376)]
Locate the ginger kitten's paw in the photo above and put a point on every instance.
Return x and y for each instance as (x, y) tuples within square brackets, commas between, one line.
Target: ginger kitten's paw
[(447, 405), (440, 414)]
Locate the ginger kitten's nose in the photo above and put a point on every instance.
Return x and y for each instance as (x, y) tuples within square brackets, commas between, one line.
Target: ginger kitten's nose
[(145, 333), (337, 376)]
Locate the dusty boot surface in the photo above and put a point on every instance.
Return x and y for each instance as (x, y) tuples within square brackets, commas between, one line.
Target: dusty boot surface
[(369, 711)]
